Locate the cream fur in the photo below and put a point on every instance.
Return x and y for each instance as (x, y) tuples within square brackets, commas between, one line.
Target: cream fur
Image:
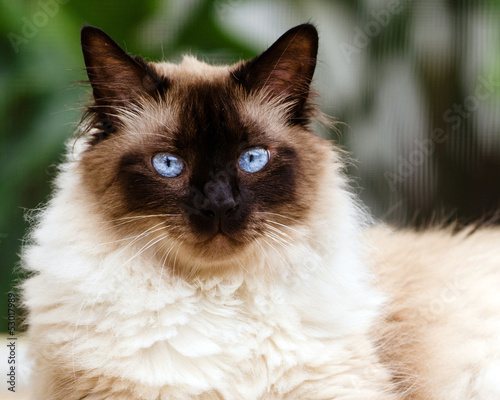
[(321, 316), (293, 323), (443, 330)]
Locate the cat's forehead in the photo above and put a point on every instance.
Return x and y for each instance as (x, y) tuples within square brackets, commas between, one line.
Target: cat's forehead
[(269, 93), (205, 101), (191, 71), (205, 83)]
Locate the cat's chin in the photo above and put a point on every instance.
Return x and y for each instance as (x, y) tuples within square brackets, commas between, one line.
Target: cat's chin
[(215, 251)]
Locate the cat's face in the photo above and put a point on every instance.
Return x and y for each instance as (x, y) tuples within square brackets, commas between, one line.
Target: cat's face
[(208, 159)]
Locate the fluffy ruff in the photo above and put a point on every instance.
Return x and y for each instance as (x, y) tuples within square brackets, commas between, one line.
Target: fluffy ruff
[(298, 318), (112, 319)]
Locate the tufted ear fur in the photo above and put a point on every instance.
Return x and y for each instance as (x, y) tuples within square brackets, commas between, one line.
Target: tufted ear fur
[(285, 70), (116, 77)]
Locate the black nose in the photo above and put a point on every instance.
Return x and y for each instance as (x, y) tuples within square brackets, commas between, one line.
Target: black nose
[(219, 201)]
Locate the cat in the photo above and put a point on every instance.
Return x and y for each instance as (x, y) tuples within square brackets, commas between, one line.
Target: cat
[(203, 243)]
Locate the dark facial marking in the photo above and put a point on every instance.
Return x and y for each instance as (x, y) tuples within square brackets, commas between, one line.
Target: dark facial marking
[(213, 193)]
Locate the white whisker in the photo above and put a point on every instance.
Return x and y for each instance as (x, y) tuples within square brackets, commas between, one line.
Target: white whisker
[(147, 246), (135, 237), (144, 216), (278, 215), (279, 233), (292, 248), (293, 229), (276, 250), (155, 228), (163, 262)]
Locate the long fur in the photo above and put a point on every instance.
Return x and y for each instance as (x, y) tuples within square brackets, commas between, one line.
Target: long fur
[(299, 312), (316, 307)]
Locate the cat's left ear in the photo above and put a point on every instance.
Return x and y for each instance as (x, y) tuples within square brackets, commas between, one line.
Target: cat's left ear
[(285, 70)]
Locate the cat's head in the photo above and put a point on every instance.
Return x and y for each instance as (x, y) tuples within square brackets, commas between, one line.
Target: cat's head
[(210, 161)]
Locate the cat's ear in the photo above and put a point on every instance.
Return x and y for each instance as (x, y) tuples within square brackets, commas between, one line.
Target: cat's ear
[(285, 70), (116, 77)]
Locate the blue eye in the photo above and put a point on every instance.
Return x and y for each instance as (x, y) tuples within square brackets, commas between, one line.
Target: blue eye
[(168, 165), (254, 160)]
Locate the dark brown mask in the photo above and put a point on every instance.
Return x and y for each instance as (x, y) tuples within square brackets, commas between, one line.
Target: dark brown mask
[(208, 158)]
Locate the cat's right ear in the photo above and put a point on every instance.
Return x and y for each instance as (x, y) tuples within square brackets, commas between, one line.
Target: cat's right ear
[(116, 77)]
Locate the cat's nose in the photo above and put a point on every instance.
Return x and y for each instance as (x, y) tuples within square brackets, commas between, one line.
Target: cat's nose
[(219, 200)]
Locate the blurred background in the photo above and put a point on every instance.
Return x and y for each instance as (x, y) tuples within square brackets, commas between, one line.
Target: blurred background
[(416, 85)]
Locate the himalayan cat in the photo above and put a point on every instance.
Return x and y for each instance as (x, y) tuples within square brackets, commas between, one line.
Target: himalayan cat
[(202, 243)]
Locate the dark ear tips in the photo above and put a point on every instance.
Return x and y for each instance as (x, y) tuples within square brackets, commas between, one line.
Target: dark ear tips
[(116, 77), (95, 40), (285, 70), (87, 32), (306, 33)]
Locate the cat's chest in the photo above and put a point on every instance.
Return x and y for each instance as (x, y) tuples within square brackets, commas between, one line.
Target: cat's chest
[(172, 334)]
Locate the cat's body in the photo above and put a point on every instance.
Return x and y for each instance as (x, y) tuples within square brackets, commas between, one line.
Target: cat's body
[(241, 271), (442, 327), (268, 326)]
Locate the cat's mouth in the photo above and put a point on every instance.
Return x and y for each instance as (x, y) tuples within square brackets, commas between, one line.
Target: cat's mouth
[(222, 240), (218, 247)]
